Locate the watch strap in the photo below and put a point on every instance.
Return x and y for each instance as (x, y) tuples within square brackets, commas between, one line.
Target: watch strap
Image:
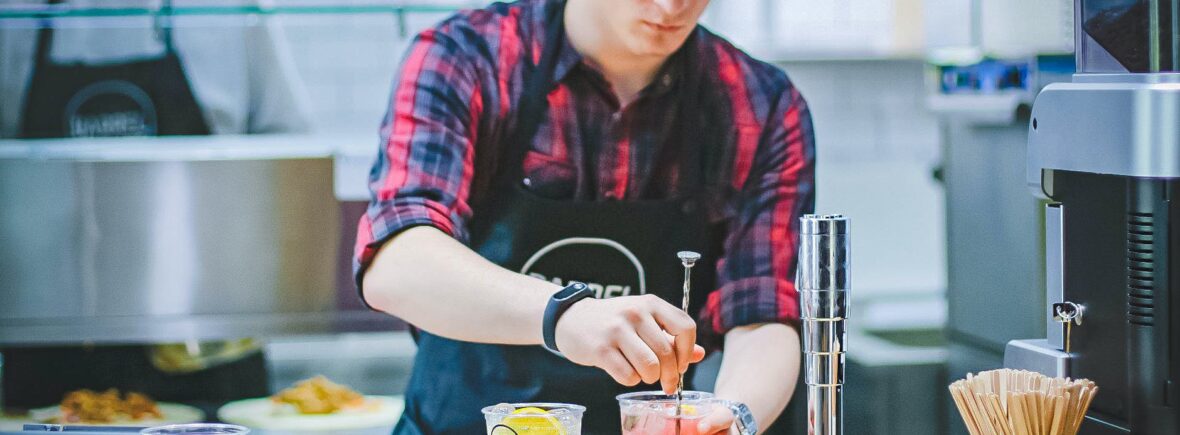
[(558, 304), (742, 417)]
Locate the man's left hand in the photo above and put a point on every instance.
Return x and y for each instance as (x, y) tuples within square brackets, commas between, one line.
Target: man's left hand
[(717, 422)]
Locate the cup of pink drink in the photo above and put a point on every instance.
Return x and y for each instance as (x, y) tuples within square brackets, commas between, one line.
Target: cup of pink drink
[(654, 413)]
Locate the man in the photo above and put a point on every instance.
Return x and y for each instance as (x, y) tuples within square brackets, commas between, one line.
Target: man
[(586, 140)]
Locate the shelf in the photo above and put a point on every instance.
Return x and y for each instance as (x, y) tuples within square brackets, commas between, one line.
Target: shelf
[(156, 329), (173, 148), (62, 11)]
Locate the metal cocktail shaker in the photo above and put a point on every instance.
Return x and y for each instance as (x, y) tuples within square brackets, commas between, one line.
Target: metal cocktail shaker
[(824, 281)]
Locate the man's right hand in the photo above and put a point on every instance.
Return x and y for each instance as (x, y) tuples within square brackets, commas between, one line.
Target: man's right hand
[(633, 338)]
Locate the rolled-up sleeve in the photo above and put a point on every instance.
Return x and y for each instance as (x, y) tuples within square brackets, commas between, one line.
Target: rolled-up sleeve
[(424, 165), (756, 274)]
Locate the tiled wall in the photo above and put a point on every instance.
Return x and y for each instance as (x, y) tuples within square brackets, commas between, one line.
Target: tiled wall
[(868, 109), (877, 142)]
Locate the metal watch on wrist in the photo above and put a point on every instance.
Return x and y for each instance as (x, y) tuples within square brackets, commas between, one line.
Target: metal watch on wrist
[(742, 417), (558, 304)]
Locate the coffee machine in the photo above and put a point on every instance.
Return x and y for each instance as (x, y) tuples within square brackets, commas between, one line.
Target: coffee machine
[(1104, 150)]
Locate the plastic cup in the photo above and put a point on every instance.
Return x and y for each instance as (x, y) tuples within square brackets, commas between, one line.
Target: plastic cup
[(534, 419), (654, 413), (196, 429)]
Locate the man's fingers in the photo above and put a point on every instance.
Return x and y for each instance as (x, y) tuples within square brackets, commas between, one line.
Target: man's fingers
[(681, 325), (662, 345), (698, 353), (672, 319), (618, 368), (642, 358), (716, 422)]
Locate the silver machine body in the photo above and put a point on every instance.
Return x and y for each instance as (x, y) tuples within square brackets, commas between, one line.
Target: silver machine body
[(824, 283), (143, 240), (1104, 151)]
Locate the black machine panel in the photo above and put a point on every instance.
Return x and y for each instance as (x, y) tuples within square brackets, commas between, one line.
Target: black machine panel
[(1118, 265)]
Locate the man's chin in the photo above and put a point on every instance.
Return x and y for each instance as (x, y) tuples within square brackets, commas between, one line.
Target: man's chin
[(656, 48)]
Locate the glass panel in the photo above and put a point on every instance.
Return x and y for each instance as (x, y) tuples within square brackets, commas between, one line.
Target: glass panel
[(1140, 35), (122, 8)]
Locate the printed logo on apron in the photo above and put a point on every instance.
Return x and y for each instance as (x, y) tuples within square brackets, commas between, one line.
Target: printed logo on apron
[(110, 108), (606, 266)]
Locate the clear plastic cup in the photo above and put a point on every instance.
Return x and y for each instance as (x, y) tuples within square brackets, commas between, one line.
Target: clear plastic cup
[(534, 419), (654, 413), (196, 429)]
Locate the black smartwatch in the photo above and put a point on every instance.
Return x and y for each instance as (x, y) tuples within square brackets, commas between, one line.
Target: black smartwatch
[(558, 303)]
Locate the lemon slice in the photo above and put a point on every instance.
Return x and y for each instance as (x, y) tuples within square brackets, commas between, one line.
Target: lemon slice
[(532, 421), (688, 410)]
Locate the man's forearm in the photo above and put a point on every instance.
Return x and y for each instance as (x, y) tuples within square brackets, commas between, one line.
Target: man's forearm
[(429, 279), (760, 367)]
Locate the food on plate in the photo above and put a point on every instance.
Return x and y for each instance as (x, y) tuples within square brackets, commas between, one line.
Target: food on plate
[(318, 395), (315, 405), (106, 408), (87, 406)]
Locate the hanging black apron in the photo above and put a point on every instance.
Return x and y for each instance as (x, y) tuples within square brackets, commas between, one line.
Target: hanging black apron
[(620, 248), (140, 98)]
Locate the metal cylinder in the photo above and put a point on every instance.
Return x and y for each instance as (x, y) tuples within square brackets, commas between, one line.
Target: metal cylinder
[(824, 281)]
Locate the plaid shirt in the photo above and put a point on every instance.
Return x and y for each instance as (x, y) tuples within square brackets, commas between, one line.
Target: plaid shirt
[(457, 93)]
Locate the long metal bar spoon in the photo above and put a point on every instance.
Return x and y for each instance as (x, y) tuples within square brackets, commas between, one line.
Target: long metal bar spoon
[(688, 259)]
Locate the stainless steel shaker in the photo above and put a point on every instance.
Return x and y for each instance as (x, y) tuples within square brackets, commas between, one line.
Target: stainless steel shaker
[(824, 282)]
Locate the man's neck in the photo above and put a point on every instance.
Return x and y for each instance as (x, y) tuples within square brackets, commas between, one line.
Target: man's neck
[(626, 72)]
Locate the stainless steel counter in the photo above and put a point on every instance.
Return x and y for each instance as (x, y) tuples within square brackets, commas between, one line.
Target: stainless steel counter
[(156, 239)]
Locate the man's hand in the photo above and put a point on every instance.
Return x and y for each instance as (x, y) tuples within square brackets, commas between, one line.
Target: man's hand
[(633, 338), (717, 422)]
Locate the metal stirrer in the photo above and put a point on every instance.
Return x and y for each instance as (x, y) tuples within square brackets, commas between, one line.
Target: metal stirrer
[(688, 259)]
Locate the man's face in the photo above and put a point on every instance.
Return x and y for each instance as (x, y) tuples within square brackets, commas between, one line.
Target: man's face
[(651, 27)]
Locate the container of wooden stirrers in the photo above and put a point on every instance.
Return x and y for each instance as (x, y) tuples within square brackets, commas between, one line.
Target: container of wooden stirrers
[(1017, 402)]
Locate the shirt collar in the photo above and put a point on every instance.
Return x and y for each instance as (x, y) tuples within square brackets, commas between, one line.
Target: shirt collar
[(567, 60)]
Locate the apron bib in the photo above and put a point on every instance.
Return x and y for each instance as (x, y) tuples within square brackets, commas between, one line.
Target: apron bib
[(141, 98), (619, 248)]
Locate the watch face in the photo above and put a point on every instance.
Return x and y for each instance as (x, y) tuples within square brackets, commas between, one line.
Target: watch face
[(570, 290)]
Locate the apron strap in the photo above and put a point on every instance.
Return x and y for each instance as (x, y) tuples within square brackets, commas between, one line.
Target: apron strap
[(692, 130), (695, 142), (45, 37), (165, 30), (45, 33), (534, 101)]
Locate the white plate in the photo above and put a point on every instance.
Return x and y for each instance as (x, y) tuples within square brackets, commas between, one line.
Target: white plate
[(264, 414), (174, 413)]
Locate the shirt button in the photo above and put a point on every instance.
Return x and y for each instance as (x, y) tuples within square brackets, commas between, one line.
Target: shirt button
[(666, 80), (528, 182), (616, 116), (611, 196)]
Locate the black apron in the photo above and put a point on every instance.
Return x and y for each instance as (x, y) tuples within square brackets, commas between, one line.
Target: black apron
[(141, 98), (620, 248)]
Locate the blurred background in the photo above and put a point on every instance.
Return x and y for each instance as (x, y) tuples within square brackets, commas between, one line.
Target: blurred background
[(241, 232)]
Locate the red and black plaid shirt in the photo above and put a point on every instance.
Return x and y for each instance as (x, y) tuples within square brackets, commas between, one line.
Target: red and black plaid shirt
[(457, 92)]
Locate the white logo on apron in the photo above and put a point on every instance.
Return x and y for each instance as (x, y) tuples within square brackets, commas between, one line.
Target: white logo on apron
[(136, 117), (601, 290)]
